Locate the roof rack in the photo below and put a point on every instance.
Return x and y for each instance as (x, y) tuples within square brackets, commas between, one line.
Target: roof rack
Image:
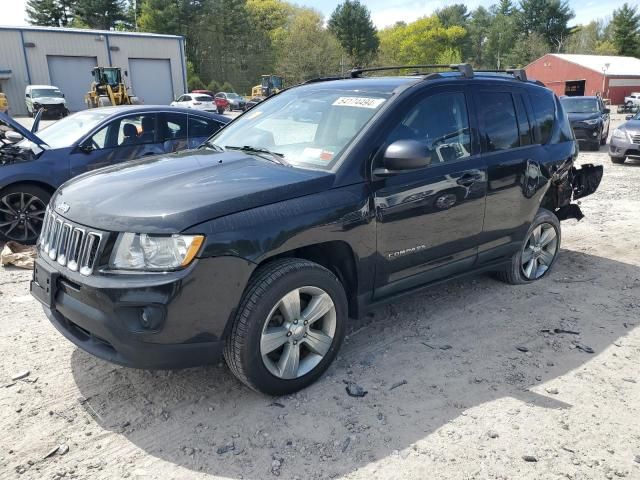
[(464, 68), (518, 73)]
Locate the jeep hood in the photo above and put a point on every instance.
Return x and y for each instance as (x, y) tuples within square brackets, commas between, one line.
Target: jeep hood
[(170, 193)]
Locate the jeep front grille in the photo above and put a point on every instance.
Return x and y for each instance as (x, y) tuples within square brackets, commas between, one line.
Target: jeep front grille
[(71, 245), (635, 138)]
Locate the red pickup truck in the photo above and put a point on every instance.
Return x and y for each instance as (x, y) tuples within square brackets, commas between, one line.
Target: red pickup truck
[(222, 104)]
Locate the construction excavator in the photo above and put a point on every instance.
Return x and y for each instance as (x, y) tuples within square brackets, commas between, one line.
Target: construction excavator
[(108, 88)]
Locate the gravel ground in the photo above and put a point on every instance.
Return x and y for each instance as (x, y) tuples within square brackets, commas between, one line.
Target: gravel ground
[(466, 380)]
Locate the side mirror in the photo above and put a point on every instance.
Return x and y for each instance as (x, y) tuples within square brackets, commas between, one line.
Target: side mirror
[(86, 147), (607, 110), (63, 96), (28, 95), (404, 155), (628, 117), (126, 73), (13, 137)]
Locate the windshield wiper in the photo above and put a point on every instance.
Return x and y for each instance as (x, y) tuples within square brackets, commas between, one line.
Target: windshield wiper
[(273, 156), (213, 146)]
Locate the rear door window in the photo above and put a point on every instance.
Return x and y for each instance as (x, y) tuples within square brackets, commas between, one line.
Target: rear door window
[(543, 112), (498, 121)]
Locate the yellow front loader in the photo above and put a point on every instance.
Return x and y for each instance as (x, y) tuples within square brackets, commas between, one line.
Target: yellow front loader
[(108, 89)]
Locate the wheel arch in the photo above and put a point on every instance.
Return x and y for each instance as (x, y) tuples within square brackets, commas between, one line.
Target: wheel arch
[(336, 256), (34, 183)]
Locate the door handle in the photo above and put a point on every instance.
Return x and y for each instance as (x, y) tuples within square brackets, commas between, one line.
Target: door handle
[(466, 180)]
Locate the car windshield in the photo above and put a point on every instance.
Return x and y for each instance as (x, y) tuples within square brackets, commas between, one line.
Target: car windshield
[(67, 131), (307, 128), (46, 92), (580, 105), (204, 98), (233, 95)]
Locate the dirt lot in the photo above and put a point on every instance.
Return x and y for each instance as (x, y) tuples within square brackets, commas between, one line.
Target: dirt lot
[(450, 395)]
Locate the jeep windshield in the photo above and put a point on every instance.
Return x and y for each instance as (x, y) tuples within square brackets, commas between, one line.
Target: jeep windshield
[(309, 128)]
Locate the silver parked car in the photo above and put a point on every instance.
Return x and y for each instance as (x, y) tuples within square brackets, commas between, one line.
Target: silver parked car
[(625, 141)]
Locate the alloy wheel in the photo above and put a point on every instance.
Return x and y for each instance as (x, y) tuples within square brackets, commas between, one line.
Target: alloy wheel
[(21, 216), (298, 333), (539, 251)]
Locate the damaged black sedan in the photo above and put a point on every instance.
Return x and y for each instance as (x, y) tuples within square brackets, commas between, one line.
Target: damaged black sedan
[(319, 203)]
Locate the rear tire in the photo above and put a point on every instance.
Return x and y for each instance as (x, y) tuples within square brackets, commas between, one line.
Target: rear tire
[(220, 111), (290, 305), (541, 247)]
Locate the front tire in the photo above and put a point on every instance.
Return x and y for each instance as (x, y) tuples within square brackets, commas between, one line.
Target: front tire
[(538, 253), (618, 160), (289, 327), (22, 209)]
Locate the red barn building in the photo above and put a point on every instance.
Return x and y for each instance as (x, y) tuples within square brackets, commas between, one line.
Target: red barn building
[(609, 76)]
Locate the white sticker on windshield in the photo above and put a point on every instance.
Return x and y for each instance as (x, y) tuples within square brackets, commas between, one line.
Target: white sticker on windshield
[(361, 102)]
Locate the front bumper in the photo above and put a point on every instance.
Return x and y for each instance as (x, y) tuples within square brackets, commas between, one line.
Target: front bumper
[(623, 147), (173, 320), (586, 133), (57, 109)]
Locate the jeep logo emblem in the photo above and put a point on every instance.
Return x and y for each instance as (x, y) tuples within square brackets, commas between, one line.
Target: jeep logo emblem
[(63, 207)]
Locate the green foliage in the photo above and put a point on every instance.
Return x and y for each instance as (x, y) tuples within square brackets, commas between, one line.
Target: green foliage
[(227, 87), (351, 24), (526, 49), (50, 13), (308, 50), (547, 18), (453, 15), (419, 42), (100, 14), (214, 86), (195, 83), (592, 38), (626, 30), (448, 56)]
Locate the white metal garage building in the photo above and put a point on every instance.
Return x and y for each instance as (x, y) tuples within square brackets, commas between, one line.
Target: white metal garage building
[(64, 57)]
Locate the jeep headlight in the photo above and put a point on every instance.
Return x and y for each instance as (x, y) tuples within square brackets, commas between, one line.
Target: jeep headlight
[(142, 251), (617, 133), (592, 121)]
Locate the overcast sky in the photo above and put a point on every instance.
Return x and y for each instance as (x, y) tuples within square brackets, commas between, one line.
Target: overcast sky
[(383, 12)]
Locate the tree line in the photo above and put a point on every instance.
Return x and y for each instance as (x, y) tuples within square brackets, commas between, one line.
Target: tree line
[(230, 43)]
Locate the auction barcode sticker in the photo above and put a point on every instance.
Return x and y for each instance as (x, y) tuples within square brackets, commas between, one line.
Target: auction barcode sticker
[(361, 102)]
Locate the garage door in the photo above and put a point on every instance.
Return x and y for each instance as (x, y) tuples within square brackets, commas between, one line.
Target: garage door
[(151, 80), (72, 75)]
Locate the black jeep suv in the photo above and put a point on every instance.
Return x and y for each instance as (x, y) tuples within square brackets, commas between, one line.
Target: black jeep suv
[(319, 203)]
